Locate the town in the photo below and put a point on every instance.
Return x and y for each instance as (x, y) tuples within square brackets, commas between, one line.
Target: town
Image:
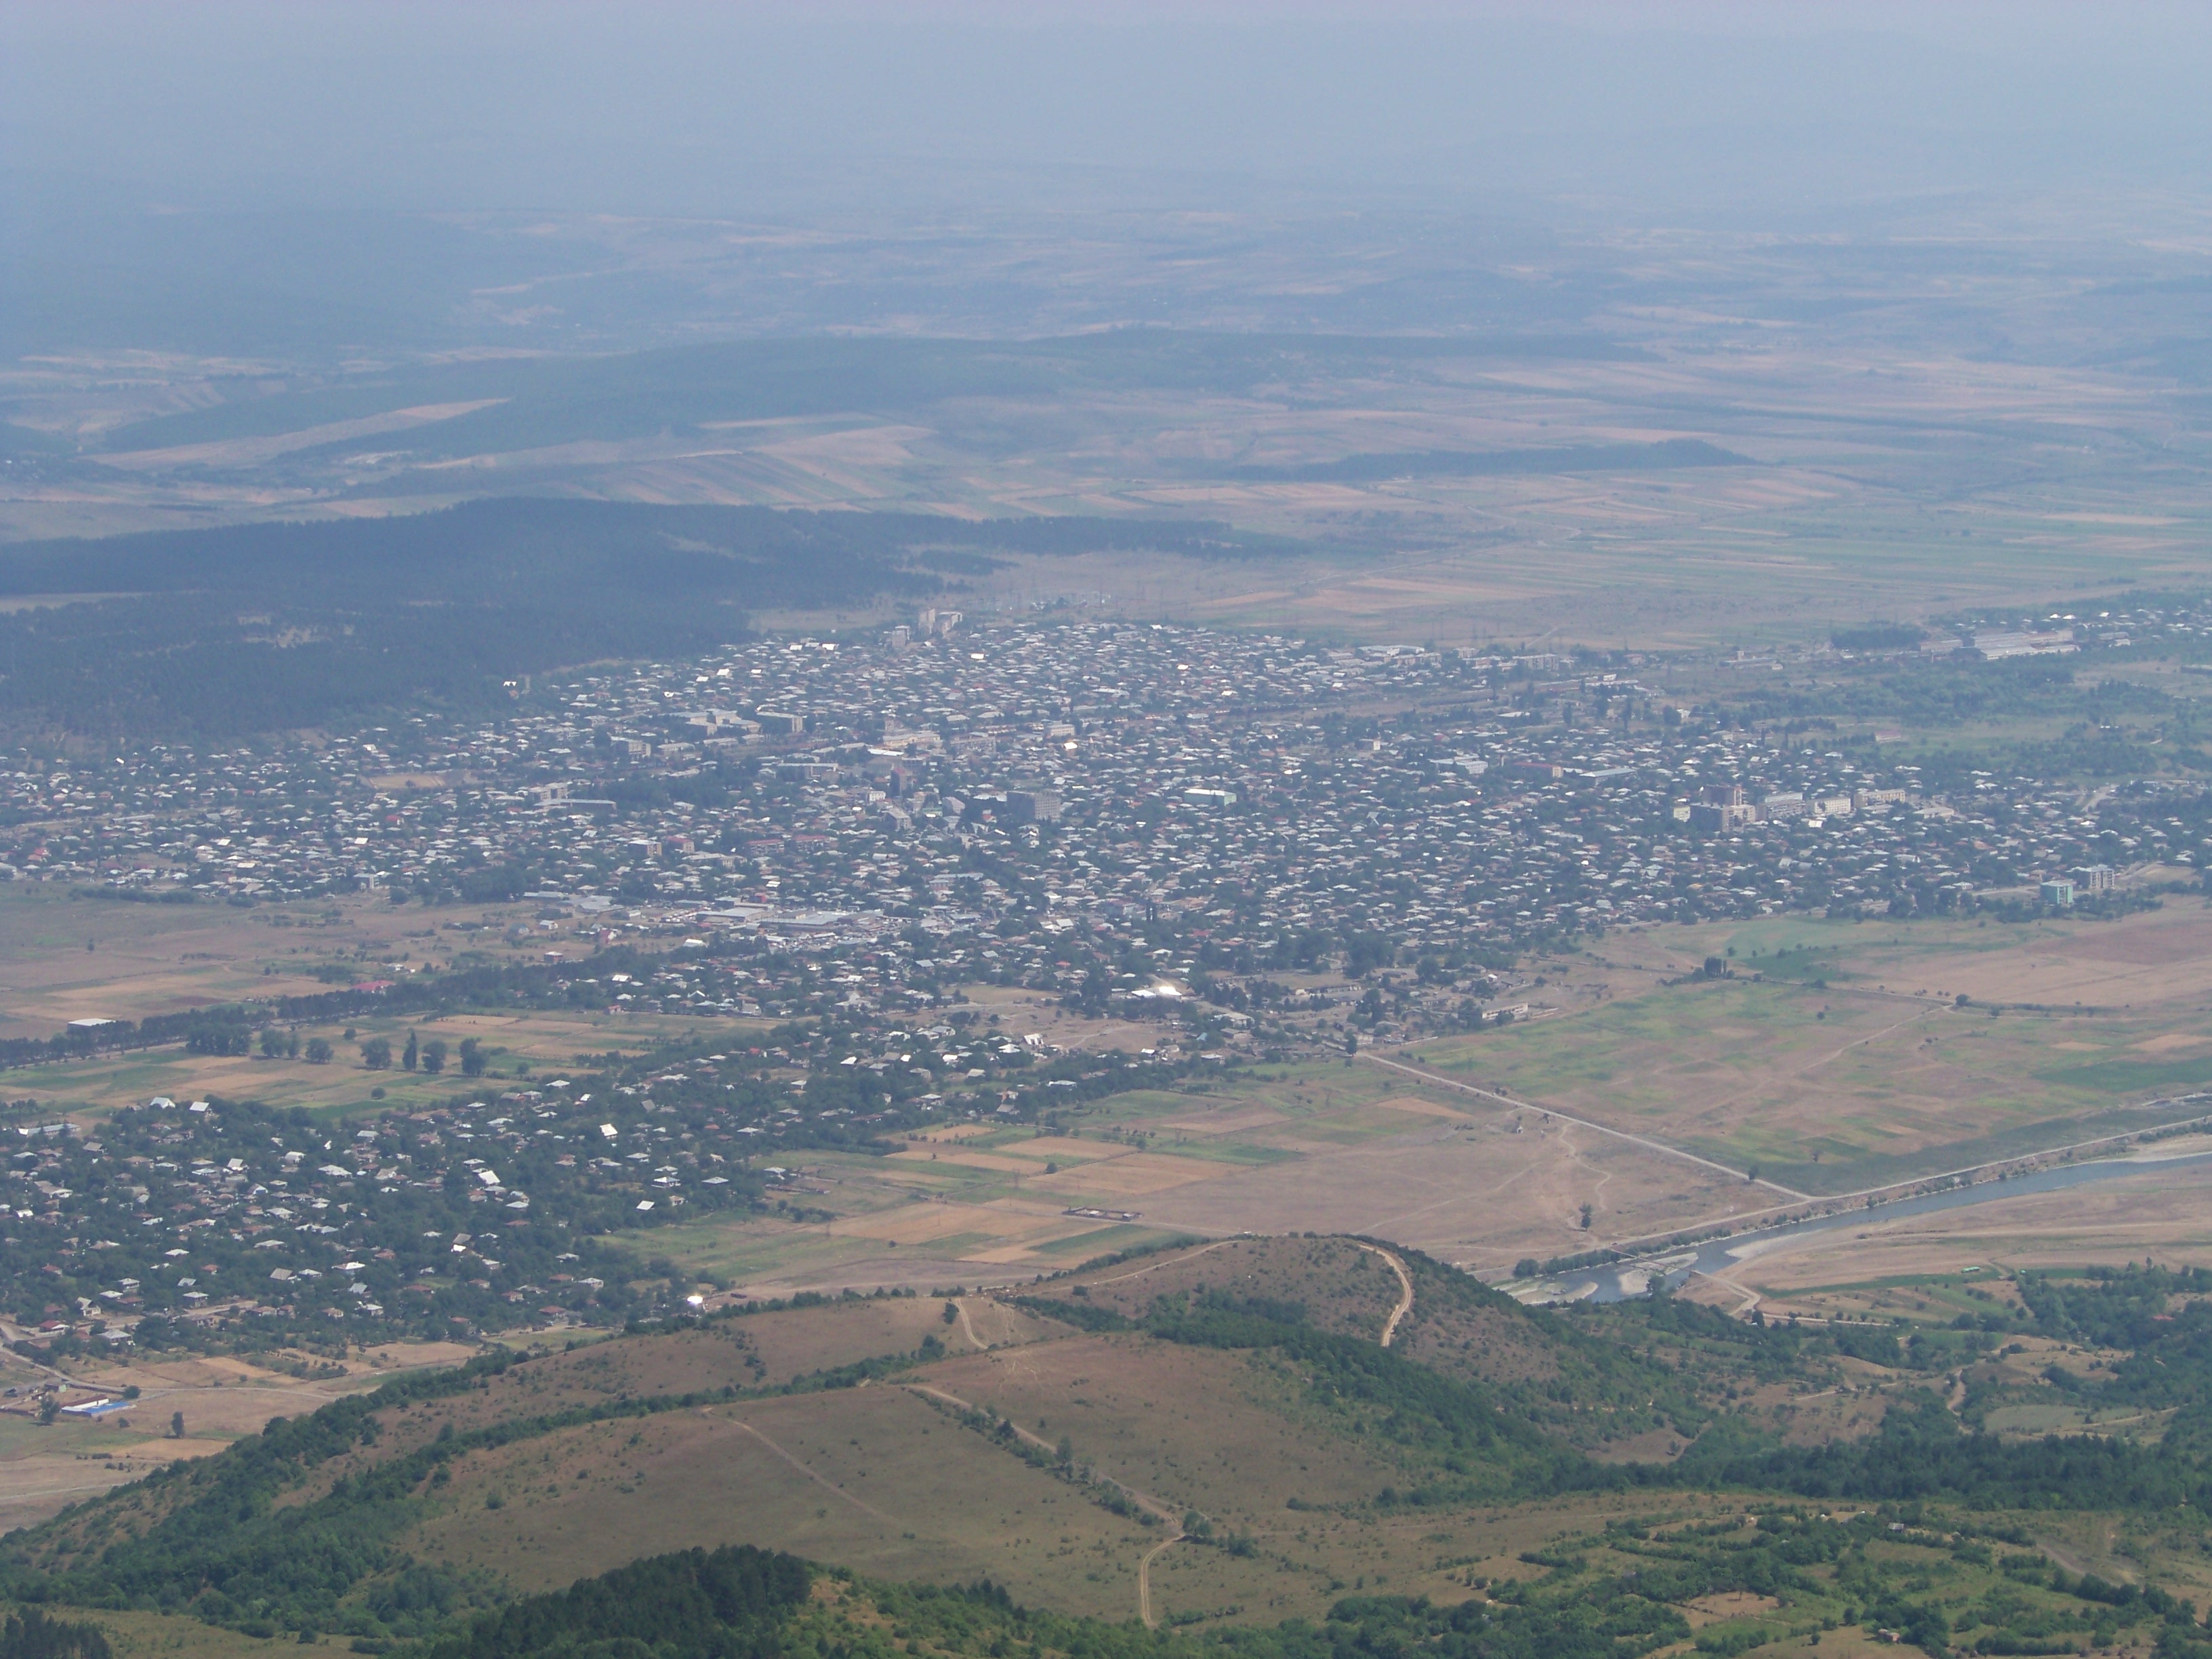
[(1135, 816)]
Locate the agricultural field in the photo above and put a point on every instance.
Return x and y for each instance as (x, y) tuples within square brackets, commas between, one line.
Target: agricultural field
[(1823, 509), (63, 957), (1333, 1146), (151, 959), (517, 1043), (1847, 1056), (46, 1466), (1839, 1058)]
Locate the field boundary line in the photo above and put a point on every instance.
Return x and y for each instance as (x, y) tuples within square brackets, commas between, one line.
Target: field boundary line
[(814, 1475), (1650, 1146), (1142, 1500)]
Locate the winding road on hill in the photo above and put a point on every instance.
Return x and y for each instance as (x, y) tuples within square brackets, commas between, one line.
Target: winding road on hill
[(1405, 1291), (966, 1330)]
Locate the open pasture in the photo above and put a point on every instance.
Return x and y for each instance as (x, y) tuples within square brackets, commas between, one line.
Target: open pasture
[(45, 1468), (64, 958), (1850, 1062), (544, 1042), (1105, 1473), (895, 1477), (874, 1479), (1329, 1147)]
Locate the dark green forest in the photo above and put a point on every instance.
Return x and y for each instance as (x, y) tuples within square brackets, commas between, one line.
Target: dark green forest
[(211, 633)]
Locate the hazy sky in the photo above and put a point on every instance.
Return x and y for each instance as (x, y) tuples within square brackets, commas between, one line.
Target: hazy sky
[(705, 108)]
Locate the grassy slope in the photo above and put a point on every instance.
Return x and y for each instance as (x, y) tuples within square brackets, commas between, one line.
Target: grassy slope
[(1052, 1461)]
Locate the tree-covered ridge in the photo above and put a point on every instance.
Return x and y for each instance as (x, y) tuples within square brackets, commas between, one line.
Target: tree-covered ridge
[(294, 1529), (1572, 1383), (31, 1634), (730, 1603), (1615, 1594), (304, 1526), (272, 627), (209, 1538)]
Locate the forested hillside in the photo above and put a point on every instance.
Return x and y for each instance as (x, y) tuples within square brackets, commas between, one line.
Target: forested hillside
[(211, 633), (650, 1492)]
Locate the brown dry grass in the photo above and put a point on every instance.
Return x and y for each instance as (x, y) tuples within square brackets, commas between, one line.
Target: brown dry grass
[(802, 1340), (874, 1478), (43, 1470), (1340, 1286), (159, 958), (1876, 1076), (1196, 1428)]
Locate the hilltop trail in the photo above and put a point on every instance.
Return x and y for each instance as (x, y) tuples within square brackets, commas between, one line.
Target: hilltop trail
[(1155, 1266), (966, 1330), (1405, 1291), (819, 1479)]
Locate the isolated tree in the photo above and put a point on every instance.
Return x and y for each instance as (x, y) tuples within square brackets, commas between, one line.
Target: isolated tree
[(433, 1055), (176, 1426), (318, 1051), (376, 1054), (412, 1056), (472, 1057), (272, 1043)]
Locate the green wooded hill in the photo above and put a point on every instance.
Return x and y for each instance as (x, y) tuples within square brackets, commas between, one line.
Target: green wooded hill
[(1215, 1434), (213, 632)]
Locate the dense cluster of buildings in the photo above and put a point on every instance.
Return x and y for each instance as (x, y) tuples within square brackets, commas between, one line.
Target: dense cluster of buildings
[(1255, 838), (1033, 804)]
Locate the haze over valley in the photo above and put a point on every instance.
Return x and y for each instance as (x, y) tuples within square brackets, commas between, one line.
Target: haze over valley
[(1066, 834)]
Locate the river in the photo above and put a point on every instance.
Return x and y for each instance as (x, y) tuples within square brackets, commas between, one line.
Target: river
[(1616, 1280)]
